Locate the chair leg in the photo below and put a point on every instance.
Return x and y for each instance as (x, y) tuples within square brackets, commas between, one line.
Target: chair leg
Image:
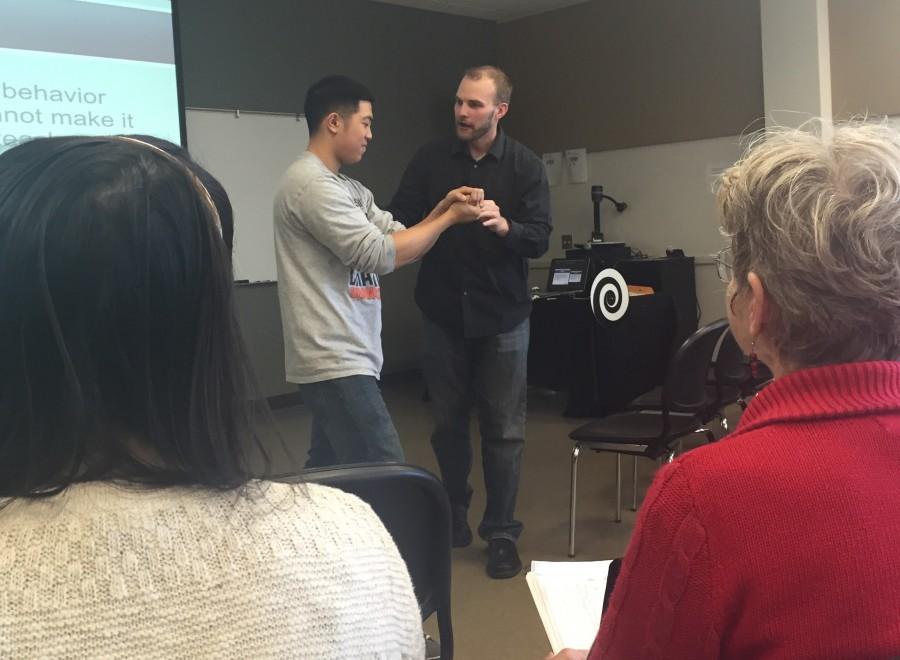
[(445, 629), (572, 492), (705, 432), (634, 484), (618, 487), (679, 448)]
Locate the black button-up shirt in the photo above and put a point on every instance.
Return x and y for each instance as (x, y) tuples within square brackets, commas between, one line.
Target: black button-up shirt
[(472, 280)]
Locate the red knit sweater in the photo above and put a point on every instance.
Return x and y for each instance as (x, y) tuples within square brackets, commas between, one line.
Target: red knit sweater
[(779, 541)]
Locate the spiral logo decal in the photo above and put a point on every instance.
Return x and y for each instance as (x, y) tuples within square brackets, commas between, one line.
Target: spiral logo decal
[(609, 295)]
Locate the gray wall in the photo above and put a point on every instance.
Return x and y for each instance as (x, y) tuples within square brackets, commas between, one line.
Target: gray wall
[(656, 90), (610, 74), (865, 57), (264, 55)]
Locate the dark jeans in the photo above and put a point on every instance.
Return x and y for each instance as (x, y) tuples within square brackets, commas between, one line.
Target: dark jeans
[(350, 423), (489, 372)]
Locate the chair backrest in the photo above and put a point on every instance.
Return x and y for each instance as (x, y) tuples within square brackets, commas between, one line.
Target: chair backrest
[(685, 389), (413, 506), (731, 368)]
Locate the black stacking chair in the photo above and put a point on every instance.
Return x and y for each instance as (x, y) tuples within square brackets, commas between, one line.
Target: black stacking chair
[(413, 506), (685, 399), (731, 383)]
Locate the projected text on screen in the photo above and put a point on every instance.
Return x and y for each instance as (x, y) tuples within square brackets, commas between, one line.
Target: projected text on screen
[(87, 68)]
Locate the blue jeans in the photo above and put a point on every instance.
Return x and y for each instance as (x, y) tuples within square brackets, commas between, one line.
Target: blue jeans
[(350, 423), (489, 372)]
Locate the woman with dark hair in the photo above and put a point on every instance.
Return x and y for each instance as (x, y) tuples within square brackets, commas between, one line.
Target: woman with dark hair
[(214, 188), (130, 522)]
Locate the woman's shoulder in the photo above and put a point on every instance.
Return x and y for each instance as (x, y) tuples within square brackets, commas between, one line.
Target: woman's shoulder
[(308, 557), (258, 510), (317, 505)]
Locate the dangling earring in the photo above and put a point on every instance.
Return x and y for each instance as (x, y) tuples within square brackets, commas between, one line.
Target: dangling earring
[(754, 361)]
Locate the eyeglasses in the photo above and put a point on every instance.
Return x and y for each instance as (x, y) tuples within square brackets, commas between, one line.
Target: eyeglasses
[(724, 267)]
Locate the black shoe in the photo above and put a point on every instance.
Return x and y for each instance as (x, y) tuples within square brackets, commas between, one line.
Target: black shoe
[(462, 533), (503, 559)]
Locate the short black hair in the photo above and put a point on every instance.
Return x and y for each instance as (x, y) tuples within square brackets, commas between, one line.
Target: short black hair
[(120, 353), (333, 94), (215, 189)]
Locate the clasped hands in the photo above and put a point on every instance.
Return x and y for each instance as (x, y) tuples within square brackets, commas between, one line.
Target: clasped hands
[(468, 205)]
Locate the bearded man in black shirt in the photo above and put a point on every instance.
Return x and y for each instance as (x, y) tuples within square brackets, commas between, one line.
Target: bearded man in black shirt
[(474, 296)]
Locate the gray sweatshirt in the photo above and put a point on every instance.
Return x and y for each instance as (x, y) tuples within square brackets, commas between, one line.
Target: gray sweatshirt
[(331, 244)]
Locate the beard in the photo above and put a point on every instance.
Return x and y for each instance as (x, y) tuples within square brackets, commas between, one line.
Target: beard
[(478, 131)]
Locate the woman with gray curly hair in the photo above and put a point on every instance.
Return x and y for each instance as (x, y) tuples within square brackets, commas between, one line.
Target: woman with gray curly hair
[(780, 541)]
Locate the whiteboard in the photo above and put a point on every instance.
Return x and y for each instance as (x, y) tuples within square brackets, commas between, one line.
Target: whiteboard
[(248, 152)]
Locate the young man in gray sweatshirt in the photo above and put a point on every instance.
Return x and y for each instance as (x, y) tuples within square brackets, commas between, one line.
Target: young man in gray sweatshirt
[(332, 243)]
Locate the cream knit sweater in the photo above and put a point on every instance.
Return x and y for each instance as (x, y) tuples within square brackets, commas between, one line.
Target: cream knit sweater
[(275, 571)]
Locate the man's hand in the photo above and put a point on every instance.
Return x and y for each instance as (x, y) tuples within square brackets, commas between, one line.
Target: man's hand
[(492, 219), (568, 654), (461, 212), (473, 196)]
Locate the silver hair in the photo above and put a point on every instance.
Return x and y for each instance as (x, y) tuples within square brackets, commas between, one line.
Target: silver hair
[(818, 219)]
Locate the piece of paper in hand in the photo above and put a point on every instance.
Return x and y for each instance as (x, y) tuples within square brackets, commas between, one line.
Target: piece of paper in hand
[(569, 599)]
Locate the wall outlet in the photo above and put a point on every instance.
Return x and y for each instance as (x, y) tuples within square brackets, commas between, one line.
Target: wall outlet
[(567, 241)]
